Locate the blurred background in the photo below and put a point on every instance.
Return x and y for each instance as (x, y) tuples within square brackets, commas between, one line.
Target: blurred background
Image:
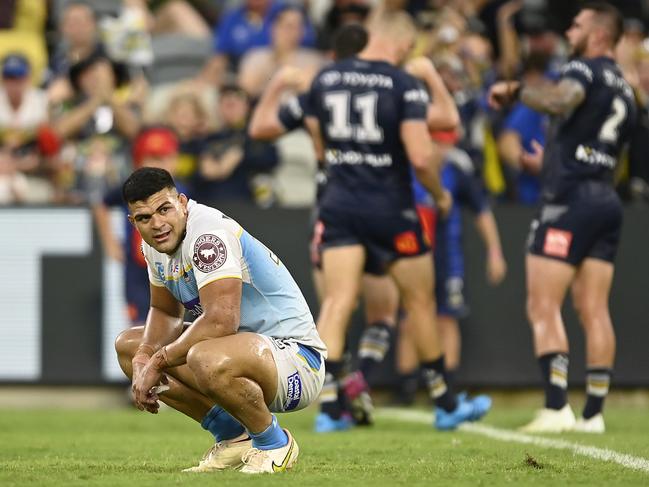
[(92, 89)]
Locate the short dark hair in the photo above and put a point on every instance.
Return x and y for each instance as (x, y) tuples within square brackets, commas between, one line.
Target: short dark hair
[(609, 15), (144, 182), (349, 40)]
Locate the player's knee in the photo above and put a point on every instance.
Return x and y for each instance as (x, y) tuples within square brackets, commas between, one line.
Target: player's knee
[(208, 367), (540, 309), (127, 342), (591, 312)]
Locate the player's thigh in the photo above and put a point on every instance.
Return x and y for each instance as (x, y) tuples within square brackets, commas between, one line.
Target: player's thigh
[(381, 298), (547, 282), (300, 374), (246, 355), (414, 278), (592, 285), (343, 255), (342, 269)]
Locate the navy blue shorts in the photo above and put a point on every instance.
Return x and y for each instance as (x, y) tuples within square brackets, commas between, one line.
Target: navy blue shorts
[(584, 228), (386, 238)]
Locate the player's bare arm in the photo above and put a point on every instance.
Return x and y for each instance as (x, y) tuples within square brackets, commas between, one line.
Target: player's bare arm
[(442, 112), (553, 98), (265, 123), (220, 318), (425, 161), (163, 325), (313, 126)]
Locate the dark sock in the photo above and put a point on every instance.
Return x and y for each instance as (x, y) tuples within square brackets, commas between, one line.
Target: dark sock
[(373, 346), (597, 383), (407, 387), (330, 396), (450, 378), (435, 378), (554, 368)]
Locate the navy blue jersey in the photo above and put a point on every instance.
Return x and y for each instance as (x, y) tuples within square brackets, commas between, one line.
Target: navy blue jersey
[(360, 106), (585, 146), (291, 112)]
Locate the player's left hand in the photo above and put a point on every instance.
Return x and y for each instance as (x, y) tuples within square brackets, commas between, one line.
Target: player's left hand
[(496, 267), (502, 94), (146, 399)]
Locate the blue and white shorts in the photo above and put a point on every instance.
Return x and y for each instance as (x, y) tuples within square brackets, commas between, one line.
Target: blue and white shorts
[(300, 374)]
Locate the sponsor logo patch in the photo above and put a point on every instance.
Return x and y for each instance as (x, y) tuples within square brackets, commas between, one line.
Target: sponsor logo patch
[(209, 253), (293, 392), (557, 243), (406, 243)]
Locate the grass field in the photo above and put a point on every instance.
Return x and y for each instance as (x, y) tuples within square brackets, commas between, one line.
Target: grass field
[(126, 447)]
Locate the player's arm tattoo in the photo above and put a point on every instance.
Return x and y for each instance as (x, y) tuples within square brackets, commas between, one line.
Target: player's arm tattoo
[(555, 99)]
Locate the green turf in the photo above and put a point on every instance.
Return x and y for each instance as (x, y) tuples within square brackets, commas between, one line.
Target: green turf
[(127, 447)]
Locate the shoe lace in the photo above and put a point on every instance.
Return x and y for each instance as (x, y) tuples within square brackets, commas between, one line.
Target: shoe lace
[(254, 457), (212, 451)]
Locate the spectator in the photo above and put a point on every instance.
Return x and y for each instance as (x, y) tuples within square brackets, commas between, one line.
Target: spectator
[(79, 41), (187, 116), (230, 159), (522, 126), (341, 13), (13, 184), (97, 123), (258, 65), (239, 31), (23, 111)]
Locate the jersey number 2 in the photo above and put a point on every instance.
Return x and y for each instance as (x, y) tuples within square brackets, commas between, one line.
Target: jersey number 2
[(609, 131), (339, 104)]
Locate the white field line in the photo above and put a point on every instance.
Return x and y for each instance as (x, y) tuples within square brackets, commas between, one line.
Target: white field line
[(628, 461)]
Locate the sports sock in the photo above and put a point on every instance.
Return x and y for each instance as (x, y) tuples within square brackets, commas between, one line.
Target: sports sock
[(407, 387), (435, 378), (223, 426), (554, 368), (597, 383), (330, 397), (450, 378), (271, 438), (374, 344)]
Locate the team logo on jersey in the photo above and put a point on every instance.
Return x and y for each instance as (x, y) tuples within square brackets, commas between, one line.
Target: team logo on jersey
[(209, 253), (557, 243), (293, 392)]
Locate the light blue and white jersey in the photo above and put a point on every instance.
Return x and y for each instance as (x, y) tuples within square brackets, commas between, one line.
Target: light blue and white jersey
[(217, 247)]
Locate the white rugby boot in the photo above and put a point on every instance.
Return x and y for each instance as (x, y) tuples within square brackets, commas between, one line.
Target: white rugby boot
[(590, 425), (224, 455), (271, 461), (551, 421)]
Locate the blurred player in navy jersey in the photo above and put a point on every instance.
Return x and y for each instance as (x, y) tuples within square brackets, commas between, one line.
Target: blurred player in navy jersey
[(574, 238), (368, 119), (153, 147), (276, 115), (458, 177)]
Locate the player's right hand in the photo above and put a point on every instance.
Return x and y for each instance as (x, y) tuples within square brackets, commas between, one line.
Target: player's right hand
[(444, 203), (420, 67), (502, 94), (291, 78), (137, 364)]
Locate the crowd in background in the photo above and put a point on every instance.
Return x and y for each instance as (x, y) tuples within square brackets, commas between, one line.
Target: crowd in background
[(83, 82)]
